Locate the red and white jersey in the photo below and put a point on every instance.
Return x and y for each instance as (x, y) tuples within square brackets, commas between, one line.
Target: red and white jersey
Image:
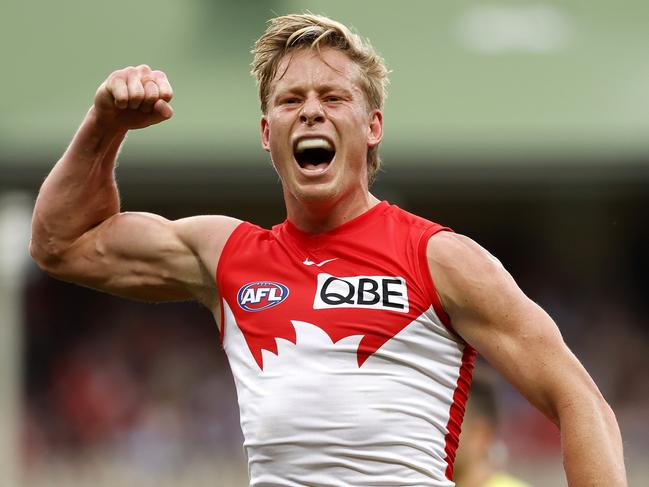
[(347, 370)]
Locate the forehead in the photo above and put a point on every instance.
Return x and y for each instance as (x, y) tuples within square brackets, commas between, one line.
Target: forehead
[(327, 66)]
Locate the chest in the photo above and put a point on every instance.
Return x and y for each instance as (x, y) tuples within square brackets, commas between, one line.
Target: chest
[(344, 289)]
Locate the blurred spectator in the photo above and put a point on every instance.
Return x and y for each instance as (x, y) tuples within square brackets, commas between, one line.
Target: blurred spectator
[(480, 453)]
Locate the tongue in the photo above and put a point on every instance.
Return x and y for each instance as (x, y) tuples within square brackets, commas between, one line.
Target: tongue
[(311, 166)]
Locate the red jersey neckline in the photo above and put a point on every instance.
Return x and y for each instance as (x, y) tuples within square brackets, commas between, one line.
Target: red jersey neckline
[(353, 225)]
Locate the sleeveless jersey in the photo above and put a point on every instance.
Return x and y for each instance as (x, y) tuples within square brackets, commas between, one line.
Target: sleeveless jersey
[(347, 370)]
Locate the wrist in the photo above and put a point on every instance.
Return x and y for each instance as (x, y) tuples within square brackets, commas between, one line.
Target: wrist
[(97, 134), (103, 125), (96, 140)]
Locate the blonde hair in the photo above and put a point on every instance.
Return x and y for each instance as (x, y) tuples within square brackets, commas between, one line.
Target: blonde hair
[(308, 31)]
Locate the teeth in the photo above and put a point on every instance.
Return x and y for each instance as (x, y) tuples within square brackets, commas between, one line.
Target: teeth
[(315, 143)]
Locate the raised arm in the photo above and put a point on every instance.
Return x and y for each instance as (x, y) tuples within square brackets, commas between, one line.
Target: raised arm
[(523, 343), (78, 232)]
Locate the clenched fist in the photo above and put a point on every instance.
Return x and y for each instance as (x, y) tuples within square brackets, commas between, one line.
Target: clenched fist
[(133, 98)]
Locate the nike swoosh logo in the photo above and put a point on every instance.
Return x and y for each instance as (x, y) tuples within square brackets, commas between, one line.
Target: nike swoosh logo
[(310, 262)]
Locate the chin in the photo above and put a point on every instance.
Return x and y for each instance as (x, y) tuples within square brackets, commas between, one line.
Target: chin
[(315, 192)]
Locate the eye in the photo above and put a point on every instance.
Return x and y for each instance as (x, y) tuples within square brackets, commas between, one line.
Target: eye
[(333, 99), (290, 100)]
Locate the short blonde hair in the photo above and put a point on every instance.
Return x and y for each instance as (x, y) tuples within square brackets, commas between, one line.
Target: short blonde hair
[(299, 31)]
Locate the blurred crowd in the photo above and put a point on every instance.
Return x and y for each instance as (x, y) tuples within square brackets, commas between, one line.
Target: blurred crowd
[(145, 384)]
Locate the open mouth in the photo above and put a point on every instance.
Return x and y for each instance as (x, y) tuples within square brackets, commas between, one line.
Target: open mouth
[(314, 154)]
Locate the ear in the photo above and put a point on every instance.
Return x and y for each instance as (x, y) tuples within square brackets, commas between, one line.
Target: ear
[(375, 128), (265, 133)]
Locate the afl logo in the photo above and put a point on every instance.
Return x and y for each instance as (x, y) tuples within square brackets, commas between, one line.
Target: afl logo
[(259, 295)]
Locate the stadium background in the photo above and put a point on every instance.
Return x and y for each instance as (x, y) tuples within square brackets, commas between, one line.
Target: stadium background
[(521, 124)]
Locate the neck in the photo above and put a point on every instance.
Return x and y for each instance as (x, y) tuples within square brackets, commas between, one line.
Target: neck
[(319, 216)]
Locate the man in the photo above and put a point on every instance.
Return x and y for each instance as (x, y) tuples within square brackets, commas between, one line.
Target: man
[(474, 463), (351, 328)]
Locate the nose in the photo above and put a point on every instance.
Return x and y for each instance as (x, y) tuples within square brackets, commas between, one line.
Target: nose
[(312, 112)]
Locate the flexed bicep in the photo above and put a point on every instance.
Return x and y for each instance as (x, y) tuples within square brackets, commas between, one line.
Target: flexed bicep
[(145, 256)]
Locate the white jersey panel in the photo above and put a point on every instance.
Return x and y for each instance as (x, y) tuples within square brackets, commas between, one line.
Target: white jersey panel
[(312, 416)]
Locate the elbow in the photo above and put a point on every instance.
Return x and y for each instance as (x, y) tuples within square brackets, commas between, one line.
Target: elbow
[(582, 399), (608, 414), (590, 406), (45, 250), (604, 409), (42, 257), (47, 256)]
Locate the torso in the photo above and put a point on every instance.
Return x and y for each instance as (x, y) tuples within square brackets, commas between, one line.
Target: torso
[(346, 368)]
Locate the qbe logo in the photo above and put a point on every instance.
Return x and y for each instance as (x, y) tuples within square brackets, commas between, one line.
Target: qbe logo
[(256, 296), (373, 292)]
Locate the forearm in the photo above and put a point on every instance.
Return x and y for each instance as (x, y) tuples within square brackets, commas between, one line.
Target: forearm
[(592, 445), (80, 191)]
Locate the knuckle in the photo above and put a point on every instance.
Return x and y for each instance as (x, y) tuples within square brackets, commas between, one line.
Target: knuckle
[(115, 75)]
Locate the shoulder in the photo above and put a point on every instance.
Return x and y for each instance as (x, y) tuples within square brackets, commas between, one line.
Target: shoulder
[(199, 230), (470, 282), (206, 235), (459, 258)]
